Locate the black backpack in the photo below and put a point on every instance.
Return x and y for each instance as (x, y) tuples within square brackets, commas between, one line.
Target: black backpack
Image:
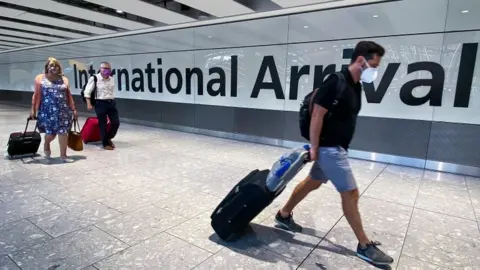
[(307, 105), (93, 95)]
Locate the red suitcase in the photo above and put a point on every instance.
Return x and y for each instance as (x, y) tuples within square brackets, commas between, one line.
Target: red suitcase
[(91, 130)]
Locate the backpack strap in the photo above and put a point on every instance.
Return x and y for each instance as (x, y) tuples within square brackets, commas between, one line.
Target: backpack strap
[(95, 85), (310, 106), (341, 85), (340, 88)]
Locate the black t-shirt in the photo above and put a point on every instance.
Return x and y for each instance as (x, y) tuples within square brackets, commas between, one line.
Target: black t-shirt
[(339, 127)]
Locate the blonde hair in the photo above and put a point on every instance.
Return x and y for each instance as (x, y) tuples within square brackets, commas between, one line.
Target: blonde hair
[(52, 60)]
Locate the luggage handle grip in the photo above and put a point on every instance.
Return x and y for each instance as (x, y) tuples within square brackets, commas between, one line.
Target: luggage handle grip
[(30, 118), (307, 158)]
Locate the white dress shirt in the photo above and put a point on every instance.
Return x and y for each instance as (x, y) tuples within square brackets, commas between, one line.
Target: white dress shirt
[(105, 87)]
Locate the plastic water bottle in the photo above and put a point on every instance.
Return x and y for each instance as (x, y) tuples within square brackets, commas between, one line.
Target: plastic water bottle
[(276, 173), (282, 166), (293, 155)]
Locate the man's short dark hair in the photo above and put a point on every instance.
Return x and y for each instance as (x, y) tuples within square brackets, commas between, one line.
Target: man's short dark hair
[(367, 49)]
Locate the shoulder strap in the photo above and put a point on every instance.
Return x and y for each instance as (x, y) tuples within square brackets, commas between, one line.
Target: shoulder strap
[(341, 84), (312, 97), (95, 79)]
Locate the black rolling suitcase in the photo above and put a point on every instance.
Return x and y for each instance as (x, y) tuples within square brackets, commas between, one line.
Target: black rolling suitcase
[(24, 143), (251, 196)]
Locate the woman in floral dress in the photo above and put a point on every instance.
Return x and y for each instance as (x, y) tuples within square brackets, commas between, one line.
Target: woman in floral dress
[(53, 105)]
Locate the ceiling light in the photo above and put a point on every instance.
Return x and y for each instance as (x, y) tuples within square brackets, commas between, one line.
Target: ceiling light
[(119, 11), (375, 16), (305, 26), (465, 11), (209, 36)]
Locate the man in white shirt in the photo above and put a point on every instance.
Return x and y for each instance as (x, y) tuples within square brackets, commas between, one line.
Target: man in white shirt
[(105, 104)]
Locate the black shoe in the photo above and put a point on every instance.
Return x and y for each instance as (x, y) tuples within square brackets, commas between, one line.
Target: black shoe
[(373, 254), (287, 223)]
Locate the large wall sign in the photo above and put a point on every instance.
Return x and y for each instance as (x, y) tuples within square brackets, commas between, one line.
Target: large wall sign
[(193, 81)]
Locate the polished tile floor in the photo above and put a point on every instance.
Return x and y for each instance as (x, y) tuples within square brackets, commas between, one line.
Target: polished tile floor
[(147, 206)]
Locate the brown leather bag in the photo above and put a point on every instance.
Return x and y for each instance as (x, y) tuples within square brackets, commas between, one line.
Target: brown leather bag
[(75, 138)]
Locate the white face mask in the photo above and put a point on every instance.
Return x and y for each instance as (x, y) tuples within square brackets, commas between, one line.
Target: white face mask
[(369, 74)]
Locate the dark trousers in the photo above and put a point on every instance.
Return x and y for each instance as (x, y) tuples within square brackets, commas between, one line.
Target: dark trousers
[(104, 108)]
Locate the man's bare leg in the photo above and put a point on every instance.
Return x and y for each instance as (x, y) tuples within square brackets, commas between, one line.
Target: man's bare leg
[(366, 249), (352, 214), (284, 216)]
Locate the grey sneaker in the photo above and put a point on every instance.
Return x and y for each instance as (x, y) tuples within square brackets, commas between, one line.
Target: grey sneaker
[(287, 223), (373, 254)]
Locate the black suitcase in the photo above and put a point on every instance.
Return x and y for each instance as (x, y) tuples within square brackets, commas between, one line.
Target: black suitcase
[(24, 143), (242, 204), (250, 197)]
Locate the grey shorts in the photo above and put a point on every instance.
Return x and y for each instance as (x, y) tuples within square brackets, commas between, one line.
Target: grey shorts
[(333, 165)]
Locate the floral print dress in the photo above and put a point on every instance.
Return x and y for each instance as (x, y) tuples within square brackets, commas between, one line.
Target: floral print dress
[(54, 115)]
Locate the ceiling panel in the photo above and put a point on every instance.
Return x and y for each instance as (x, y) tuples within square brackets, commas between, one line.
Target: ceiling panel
[(5, 47), (98, 16), (10, 12), (20, 40), (78, 12), (31, 17), (145, 10), (27, 35), (296, 3), (39, 29), (218, 8), (13, 44)]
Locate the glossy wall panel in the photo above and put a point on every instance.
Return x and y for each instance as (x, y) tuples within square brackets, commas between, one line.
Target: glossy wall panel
[(454, 143), (216, 118), (461, 95), (258, 122), (387, 19), (463, 15), (398, 137), (247, 78), (22, 76), (239, 34)]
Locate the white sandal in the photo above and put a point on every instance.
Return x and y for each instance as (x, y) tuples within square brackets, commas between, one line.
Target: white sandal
[(67, 160)]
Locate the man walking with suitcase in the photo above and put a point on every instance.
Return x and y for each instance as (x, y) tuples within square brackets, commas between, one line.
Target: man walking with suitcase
[(99, 94), (332, 125)]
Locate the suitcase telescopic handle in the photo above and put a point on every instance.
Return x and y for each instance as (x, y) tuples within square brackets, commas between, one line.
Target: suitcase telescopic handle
[(30, 118)]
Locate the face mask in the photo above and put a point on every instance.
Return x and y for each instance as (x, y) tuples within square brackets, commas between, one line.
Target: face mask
[(106, 72), (52, 70), (369, 74)]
